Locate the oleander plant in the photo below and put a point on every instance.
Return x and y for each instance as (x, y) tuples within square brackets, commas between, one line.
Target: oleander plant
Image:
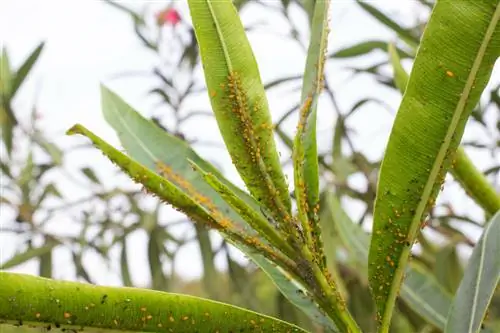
[(281, 232)]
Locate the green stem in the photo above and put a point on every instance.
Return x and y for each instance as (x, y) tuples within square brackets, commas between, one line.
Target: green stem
[(40, 302), (475, 183)]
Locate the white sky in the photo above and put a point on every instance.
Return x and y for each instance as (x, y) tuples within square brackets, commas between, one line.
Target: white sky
[(89, 42)]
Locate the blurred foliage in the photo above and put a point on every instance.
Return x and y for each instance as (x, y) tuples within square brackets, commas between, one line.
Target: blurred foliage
[(33, 164)]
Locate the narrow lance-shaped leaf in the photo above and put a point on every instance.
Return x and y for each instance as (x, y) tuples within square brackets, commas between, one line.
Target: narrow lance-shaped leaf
[(364, 48), (73, 306), (124, 267), (306, 170), (420, 290), (305, 151), (239, 102), (31, 253), (147, 143), (442, 90), (175, 190), (400, 75), (478, 285), (7, 118), (264, 227), (25, 68), (404, 33)]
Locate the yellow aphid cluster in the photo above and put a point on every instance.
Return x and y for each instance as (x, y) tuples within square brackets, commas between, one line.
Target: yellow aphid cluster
[(220, 221), (250, 132)]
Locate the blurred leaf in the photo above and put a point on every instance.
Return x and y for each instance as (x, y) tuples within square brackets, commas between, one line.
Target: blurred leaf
[(162, 94), (210, 274), (420, 290), (25, 69), (54, 152), (239, 102), (364, 48), (30, 253), (429, 124), (191, 52), (50, 189), (7, 122), (403, 33), (361, 305), (80, 269), (308, 6), (182, 313), (90, 174), (400, 75), (447, 269), (279, 81), (45, 265), (479, 282), (124, 267), (155, 251), (5, 77), (475, 184), (5, 167), (136, 17)]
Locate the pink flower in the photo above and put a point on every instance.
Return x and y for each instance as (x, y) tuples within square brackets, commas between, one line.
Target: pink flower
[(168, 16)]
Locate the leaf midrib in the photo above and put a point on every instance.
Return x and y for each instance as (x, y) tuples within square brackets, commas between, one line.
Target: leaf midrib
[(439, 161)]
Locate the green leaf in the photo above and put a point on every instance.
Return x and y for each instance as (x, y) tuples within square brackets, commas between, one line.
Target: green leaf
[(50, 189), (90, 174), (74, 306), (45, 265), (440, 95), (5, 76), (479, 283), (448, 269), (420, 290), (31, 253), (147, 143), (403, 33), (305, 151), (400, 75), (239, 102), (54, 152), (253, 217), (163, 188), (124, 267), (7, 123), (25, 69), (364, 48), (155, 251), (7, 117)]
